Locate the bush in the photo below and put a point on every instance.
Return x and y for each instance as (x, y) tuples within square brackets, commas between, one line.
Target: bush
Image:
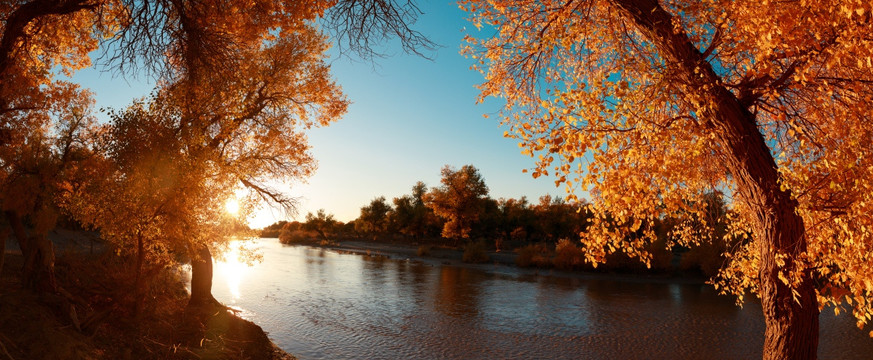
[(705, 257), (423, 250), (474, 252), (533, 255), (662, 257), (568, 256), (296, 237)]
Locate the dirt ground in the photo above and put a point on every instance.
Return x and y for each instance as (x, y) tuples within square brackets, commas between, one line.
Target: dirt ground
[(94, 319)]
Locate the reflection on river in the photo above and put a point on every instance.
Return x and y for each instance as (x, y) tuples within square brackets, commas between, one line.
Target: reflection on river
[(319, 304)]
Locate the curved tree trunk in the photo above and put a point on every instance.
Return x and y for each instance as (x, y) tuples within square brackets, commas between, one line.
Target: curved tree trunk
[(792, 319), (201, 278)]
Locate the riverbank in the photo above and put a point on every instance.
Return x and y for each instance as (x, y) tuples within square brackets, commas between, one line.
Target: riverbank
[(94, 320), (497, 261)]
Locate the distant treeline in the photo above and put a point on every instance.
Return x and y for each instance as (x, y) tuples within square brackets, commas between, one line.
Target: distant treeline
[(459, 212)]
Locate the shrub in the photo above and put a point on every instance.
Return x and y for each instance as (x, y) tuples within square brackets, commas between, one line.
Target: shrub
[(568, 256), (326, 242), (295, 237), (474, 252), (423, 250), (662, 257), (705, 257), (533, 255)]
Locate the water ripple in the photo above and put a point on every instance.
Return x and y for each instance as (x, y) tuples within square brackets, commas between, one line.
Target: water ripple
[(318, 304)]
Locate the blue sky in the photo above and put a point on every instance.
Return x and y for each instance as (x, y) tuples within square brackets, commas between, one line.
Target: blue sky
[(409, 117)]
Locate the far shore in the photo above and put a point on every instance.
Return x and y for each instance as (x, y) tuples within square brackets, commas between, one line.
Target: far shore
[(501, 261)]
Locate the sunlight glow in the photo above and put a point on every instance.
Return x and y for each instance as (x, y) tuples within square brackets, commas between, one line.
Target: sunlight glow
[(234, 270), (232, 206)]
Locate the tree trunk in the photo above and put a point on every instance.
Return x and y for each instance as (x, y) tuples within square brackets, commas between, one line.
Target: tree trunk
[(39, 265), (201, 278), (791, 319), (139, 294), (4, 235), (39, 257)]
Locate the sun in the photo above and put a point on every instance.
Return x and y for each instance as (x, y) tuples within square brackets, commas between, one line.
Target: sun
[(232, 206)]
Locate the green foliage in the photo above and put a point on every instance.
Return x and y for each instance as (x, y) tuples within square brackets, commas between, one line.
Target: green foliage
[(374, 218), (410, 216)]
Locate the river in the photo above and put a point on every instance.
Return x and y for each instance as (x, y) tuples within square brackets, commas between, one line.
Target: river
[(321, 304)]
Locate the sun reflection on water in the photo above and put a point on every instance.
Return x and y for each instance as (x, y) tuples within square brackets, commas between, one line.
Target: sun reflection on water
[(234, 269)]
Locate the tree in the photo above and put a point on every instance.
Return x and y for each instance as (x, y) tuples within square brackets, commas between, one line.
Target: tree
[(176, 157), (36, 172), (410, 215), (557, 219), (518, 219), (321, 222), (666, 101), (459, 200), (38, 40), (151, 199), (375, 217), (189, 44), (272, 231)]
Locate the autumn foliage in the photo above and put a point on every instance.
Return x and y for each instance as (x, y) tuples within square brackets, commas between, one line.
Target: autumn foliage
[(238, 84), (459, 200), (647, 105)]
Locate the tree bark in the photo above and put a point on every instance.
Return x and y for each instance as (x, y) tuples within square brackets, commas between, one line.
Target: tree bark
[(39, 257), (138, 277), (791, 319), (15, 32), (201, 278), (39, 265), (4, 235)]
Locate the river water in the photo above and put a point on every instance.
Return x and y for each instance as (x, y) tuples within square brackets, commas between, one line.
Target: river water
[(321, 304)]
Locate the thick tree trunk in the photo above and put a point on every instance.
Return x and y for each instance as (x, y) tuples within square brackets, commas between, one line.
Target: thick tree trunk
[(39, 265), (39, 257), (792, 319), (201, 278), (18, 230)]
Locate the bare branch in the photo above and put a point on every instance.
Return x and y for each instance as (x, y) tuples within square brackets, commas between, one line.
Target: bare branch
[(359, 25)]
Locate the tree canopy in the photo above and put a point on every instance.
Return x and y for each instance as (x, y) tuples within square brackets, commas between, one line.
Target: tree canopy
[(238, 84), (648, 105), (458, 200)]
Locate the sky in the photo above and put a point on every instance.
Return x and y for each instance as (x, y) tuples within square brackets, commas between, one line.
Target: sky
[(409, 117)]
